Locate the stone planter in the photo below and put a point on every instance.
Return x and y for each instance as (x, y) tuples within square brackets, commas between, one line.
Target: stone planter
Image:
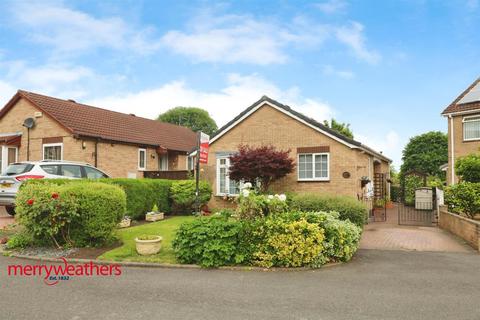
[(125, 223), (148, 247), (154, 216)]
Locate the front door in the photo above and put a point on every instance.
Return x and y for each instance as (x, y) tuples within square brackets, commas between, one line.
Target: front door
[(163, 162)]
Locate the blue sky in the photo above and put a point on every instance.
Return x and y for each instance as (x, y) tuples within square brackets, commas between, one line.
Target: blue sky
[(386, 67)]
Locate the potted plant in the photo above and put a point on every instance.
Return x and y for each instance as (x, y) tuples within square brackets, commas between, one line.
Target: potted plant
[(154, 215), (148, 244), (125, 223)]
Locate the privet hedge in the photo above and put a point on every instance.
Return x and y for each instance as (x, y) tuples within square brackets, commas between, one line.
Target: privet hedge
[(348, 208), (143, 194)]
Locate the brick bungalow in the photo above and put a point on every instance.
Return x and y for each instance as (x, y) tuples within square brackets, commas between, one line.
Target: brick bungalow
[(463, 116), (326, 161), (122, 145)]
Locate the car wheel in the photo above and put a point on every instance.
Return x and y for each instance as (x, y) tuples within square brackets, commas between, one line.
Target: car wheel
[(10, 210)]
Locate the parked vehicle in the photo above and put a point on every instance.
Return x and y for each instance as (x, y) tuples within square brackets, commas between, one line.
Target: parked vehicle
[(16, 173)]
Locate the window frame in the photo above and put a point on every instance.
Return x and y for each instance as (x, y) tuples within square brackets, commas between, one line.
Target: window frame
[(140, 150), (46, 145), (327, 178), (227, 178), (467, 119)]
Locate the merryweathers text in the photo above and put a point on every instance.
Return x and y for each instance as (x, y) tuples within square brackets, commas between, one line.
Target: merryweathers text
[(53, 274)]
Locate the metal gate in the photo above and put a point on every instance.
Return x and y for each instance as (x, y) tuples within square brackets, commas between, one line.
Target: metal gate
[(421, 214)]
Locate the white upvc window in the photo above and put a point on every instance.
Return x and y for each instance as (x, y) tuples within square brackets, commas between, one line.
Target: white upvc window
[(471, 128), (313, 167), (226, 186), (142, 159), (190, 163), (53, 151)]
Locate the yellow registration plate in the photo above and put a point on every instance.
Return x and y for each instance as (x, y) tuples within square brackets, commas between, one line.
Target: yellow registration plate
[(5, 185)]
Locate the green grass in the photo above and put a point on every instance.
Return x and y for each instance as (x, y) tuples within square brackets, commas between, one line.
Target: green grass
[(127, 252)]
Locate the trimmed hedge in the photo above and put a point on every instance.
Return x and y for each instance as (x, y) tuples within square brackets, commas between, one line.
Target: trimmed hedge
[(78, 214), (182, 193), (142, 194), (348, 208), (463, 198)]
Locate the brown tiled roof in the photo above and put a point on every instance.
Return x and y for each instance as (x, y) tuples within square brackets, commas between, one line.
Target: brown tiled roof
[(88, 121), (463, 107)]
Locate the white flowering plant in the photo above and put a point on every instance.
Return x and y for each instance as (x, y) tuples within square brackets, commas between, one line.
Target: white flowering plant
[(252, 204)]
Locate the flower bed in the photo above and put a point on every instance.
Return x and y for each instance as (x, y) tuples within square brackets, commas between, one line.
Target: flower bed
[(264, 231)]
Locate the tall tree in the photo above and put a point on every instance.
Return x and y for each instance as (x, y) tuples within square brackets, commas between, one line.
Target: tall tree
[(264, 164), (426, 153), (194, 118), (342, 128)]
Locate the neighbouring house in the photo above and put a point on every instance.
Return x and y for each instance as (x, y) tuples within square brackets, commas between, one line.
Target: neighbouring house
[(122, 145), (463, 116), (326, 161)]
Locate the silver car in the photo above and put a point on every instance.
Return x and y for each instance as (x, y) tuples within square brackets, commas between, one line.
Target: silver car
[(16, 173)]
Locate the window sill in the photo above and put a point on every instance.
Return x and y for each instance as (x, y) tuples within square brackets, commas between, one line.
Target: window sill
[(471, 140), (221, 195), (313, 180)]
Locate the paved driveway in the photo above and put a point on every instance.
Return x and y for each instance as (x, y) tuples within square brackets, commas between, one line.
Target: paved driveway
[(390, 236), (5, 218), (375, 285)]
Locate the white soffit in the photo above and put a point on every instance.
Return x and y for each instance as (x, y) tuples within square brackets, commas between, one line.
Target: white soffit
[(472, 96)]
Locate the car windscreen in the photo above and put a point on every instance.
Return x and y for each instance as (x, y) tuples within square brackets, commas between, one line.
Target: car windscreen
[(17, 168)]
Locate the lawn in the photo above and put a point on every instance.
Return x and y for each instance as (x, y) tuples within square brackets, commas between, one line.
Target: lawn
[(127, 252)]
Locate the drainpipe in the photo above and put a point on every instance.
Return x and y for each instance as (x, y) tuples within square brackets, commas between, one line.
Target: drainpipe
[(452, 147), (96, 153)]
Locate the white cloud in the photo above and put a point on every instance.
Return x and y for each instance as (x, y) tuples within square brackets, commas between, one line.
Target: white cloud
[(223, 105), (390, 144), (236, 38), (242, 38), (353, 36), (72, 31), (52, 79), (332, 6), (332, 71)]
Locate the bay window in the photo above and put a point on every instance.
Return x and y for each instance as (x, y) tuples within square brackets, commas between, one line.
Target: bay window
[(225, 186)]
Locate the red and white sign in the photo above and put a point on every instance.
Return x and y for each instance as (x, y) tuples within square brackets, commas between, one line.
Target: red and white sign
[(204, 143)]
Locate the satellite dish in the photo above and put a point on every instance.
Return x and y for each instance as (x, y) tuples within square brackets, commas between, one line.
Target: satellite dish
[(29, 123)]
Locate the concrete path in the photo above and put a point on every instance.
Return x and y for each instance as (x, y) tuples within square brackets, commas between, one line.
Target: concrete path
[(390, 236), (377, 284), (5, 218)]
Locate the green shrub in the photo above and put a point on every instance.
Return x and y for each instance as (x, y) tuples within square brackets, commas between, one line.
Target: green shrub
[(253, 205), (468, 168), (46, 213), (100, 208), (209, 242), (411, 184), (463, 198), (289, 243), (142, 194), (19, 241), (182, 193), (395, 193), (348, 207), (79, 213)]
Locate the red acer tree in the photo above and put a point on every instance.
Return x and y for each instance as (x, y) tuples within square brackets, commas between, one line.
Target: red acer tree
[(264, 164)]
